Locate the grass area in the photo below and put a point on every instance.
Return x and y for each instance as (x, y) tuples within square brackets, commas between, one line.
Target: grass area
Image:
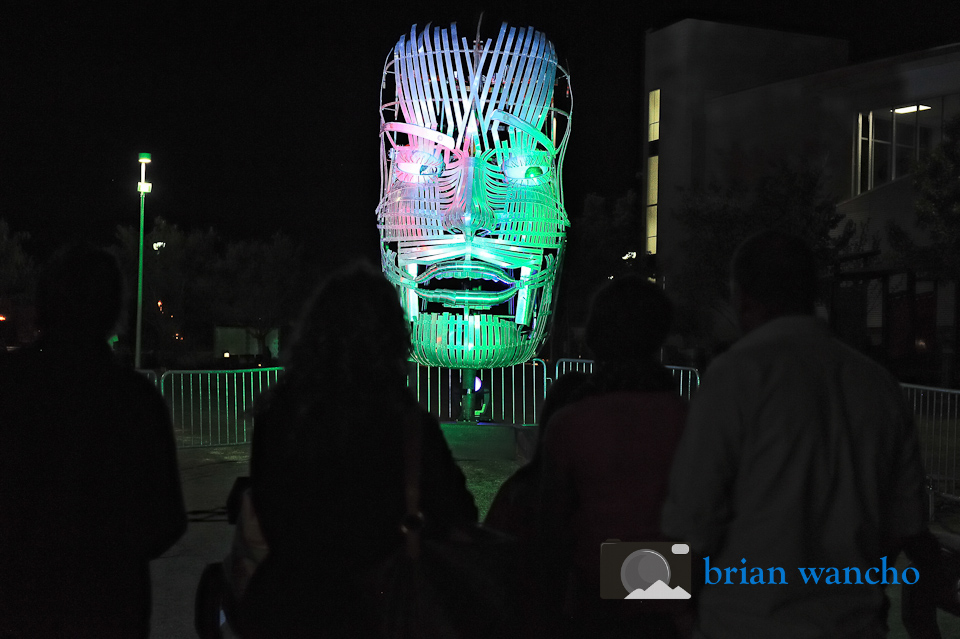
[(484, 478)]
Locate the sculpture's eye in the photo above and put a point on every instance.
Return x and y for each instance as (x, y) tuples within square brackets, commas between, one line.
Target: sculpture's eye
[(533, 168), (415, 165)]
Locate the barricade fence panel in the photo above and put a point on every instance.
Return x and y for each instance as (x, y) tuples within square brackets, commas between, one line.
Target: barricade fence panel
[(687, 378), (213, 408), (511, 395), (937, 412)]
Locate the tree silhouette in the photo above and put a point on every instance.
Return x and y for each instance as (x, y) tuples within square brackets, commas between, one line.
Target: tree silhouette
[(261, 286), (194, 281), (607, 231), (178, 276), (17, 277), (788, 198), (17, 269), (936, 182)]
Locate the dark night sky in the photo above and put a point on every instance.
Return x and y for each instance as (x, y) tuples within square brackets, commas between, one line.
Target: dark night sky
[(262, 118)]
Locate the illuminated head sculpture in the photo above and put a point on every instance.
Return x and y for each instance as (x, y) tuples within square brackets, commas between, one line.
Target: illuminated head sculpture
[(471, 217)]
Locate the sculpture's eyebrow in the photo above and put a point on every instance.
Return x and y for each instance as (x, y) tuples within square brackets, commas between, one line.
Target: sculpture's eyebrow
[(442, 139), (526, 127)]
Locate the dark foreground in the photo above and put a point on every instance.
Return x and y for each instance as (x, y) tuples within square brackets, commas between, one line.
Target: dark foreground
[(486, 456)]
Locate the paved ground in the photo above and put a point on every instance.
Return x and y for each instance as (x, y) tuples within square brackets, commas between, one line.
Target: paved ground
[(207, 476), (487, 457)]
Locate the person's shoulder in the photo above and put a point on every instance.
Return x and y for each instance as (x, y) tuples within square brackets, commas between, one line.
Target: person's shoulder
[(867, 368), (426, 417), (136, 381), (590, 408), (735, 362), (770, 345), (132, 388), (573, 410), (630, 397)]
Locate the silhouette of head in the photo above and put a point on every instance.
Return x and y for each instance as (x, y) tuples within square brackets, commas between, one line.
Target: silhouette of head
[(353, 325), (629, 319), (79, 294), (772, 274), (471, 216)]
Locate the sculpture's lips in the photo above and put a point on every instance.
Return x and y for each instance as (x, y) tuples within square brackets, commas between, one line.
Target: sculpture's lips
[(461, 275)]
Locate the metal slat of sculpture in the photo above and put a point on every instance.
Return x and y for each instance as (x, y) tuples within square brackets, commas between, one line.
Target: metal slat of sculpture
[(471, 217)]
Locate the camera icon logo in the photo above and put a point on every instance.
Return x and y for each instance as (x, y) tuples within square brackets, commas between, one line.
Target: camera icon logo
[(644, 570)]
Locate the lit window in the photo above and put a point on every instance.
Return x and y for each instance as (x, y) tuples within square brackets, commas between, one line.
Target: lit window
[(653, 169), (652, 230), (653, 120), (653, 190), (892, 139), (653, 180)]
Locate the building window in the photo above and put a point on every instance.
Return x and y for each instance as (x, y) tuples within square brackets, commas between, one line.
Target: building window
[(653, 124), (892, 139), (653, 182), (653, 169)]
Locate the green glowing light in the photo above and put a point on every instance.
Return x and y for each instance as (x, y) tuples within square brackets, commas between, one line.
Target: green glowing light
[(471, 215)]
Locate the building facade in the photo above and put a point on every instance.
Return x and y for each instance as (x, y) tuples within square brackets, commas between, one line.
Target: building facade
[(724, 101)]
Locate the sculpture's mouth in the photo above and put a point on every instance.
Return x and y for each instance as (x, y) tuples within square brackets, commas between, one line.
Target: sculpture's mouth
[(466, 284)]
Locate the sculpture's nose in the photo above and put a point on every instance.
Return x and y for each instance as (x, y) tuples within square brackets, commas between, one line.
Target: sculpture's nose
[(466, 214)]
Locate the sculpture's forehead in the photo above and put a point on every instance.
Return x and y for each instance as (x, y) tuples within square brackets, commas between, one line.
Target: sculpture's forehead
[(516, 68)]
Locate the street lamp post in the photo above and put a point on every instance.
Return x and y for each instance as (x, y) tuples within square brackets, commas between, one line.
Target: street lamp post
[(143, 187)]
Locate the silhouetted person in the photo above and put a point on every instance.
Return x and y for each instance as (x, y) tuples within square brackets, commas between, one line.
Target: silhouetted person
[(515, 508), (327, 465), (606, 458), (798, 452), (89, 485)]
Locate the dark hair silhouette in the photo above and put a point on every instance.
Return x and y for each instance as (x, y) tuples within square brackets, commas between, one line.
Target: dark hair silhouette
[(79, 294), (629, 319), (777, 270), (354, 326), (348, 358)]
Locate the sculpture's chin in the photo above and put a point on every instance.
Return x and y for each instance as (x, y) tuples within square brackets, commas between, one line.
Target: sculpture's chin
[(477, 341)]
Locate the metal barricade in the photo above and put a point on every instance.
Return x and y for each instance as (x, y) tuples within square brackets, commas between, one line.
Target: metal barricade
[(212, 408), (566, 365), (512, 394), (688, 378), (937, 413)]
